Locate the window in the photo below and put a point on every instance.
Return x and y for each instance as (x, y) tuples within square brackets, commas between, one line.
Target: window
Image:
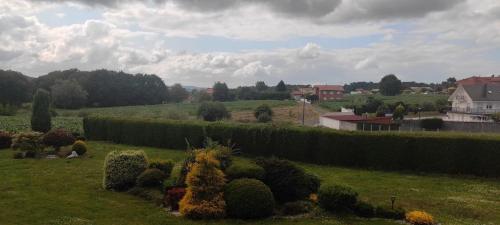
[(489, 107)]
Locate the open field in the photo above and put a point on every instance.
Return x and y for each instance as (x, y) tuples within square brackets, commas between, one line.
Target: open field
[(69, 192), (406, 98), (287, 111)]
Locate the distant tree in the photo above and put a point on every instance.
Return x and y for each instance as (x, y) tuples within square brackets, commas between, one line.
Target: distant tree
[(221, 92), (246, 93), (68, 94), (281, 87), (390, 85), (261, 86), (371, 105), (178, 93), (382, 110), (399, 113), (40, 117), (15, 88), (442, 105), (201, 96), (212, 111), (263, 113)]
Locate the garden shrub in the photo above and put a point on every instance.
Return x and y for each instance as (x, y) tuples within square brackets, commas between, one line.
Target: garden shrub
[(212, 111), (364, 209), (5, 139), (173, 197), (164, 165), (336, 198), (175, 176), (241, 169), (296, 208), (419, 218), (432, 124), (121, 169), (27, 141), (264, 118), (263, 113), (205, 182), (248, 199), (287, 181), (389, 213), (79, 147), (423, 152), (41, 117), (151, 178), (58, 138)]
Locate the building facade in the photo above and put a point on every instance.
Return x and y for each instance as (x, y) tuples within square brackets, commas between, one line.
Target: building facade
[(329, 92)]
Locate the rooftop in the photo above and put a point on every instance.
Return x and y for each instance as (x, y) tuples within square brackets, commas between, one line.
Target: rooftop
[(360, 119), (329, 87)]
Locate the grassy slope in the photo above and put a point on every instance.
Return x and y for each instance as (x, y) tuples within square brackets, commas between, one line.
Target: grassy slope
[(69, 192)]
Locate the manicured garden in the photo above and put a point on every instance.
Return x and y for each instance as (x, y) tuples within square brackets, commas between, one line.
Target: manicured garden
[(63, 191)]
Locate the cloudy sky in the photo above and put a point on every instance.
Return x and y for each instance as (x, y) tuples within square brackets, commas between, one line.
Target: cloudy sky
[(198, 42)]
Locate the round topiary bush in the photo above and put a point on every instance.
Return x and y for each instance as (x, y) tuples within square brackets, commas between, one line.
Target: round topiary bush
[(248, 199), (240, 169), (151, 178), (336, 197), (58, 138), (419, 218), (121, 169), (164, 165), (79, 147), (212, 111)]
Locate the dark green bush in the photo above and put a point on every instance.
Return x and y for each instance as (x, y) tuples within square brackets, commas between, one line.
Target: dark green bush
[(241, 169), (263, 109), (336, 198), (27, 141), (432, 124), (5, 140), (248, 199), (364, 209), (264, 118), (212, 111), (58, 138), (151, 178), (388, 213), (287, 181), (422, 152), (121, 169), (40, 117), (164, 165), (296, 208)]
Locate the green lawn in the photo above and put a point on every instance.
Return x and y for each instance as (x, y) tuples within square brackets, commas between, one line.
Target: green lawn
[(406, 98), (69, 192), (72, 119)]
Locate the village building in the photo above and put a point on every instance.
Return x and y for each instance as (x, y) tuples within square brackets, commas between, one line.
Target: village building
[(329, 92), (349, 121)]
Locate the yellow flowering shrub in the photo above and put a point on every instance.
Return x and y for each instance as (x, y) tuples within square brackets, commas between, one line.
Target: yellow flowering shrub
[(419, 218), (313, 198), (204, 195)]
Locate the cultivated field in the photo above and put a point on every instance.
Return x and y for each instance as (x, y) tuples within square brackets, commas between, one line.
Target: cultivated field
[(60, 191)]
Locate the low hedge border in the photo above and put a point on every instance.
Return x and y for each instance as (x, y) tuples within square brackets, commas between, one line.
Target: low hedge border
[(423, 152)]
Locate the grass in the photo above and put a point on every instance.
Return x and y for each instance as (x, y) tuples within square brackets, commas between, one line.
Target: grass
[(406, 98), (64, 191)]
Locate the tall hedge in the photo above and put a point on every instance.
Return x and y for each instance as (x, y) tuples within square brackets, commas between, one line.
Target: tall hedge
[(40, 117), (436, 153)]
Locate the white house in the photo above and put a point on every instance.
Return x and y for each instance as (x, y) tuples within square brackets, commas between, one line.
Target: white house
[(475, 99)]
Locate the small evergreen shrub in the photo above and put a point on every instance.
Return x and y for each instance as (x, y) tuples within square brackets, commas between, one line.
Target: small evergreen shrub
[(212, 111), (419, 218), (263, 113), (205, 182), (151, 178), (388, 213), (336, 197), (163, 165), (264, 118), (27, 141), (248, 199), (241, 169), (296, 208), (41, 117), (287, 181), (364, 209), (5, 139), (121, 169), (79, 147), (58, 138)]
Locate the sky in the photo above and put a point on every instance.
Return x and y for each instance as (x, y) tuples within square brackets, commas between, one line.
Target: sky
[(199, 42)]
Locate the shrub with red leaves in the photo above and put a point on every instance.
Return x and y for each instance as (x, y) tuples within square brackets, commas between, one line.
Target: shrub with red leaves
[(173, 196), (5, 139), (58, 138)]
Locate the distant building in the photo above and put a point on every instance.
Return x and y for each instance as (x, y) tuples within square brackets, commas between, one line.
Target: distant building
[(210, 91), (299, 94), (475, 99), (349, 121), (329, 92)]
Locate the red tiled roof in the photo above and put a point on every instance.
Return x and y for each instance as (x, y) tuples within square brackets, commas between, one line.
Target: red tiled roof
[(360, 119), (329, 87), (479, 80)]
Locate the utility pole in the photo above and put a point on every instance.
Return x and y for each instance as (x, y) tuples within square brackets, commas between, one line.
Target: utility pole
[(303, 107)]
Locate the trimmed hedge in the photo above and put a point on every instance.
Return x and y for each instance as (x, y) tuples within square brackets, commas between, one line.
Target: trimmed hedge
[(423, 152), (432, 123)]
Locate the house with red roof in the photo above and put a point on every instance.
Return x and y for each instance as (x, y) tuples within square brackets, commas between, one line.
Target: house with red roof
[(329, 92)]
